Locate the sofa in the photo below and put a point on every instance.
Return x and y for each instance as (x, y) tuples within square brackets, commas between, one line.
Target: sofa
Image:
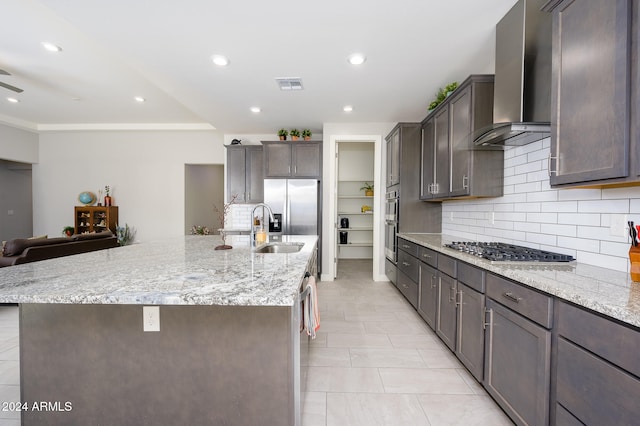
[(24, 250)]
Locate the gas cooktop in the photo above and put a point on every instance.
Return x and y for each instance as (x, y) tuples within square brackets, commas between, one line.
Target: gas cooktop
[(503, 252)]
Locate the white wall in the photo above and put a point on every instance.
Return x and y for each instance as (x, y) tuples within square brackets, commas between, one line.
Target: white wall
[(145, 169), (570, 221), (18, 145)]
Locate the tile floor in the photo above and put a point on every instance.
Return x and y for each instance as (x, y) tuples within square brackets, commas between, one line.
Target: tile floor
[(376, 362)]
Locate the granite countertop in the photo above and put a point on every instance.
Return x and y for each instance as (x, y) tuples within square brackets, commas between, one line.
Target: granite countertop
[(602, 290), (178, 271)]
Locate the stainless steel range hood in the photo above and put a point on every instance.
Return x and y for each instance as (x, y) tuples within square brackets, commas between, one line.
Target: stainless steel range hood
[(522, 88)]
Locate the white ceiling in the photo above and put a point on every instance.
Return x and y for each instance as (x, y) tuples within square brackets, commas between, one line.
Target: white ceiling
[(161, 50)]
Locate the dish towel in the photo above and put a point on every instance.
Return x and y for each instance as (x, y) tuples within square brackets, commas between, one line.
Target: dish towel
[(312, 314)]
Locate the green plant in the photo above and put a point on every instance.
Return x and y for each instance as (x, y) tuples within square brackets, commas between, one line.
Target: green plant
[(295, 132), (367, 187), (68, 231), (283, 132), (199, 230), (442, 94), (125, 234), (306, 133)]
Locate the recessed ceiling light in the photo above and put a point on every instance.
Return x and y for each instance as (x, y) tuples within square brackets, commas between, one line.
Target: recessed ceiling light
[(357, 59), (347, 108), (13, 100), (51, 47), (139, 99), (219, 60), (255, 109)]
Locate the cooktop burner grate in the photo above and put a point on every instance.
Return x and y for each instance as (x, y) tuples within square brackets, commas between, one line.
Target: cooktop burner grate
[(503, 252)]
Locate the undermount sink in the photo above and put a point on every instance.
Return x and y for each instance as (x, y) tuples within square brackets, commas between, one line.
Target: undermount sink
[(279, 248)]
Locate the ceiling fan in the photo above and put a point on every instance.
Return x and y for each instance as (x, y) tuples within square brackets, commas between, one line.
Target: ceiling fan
[(8, 86)]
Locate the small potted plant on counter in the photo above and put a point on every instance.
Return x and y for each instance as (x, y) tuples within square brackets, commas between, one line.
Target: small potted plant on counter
[(282, 133), (295, 134), (306, 134), (368, 189)]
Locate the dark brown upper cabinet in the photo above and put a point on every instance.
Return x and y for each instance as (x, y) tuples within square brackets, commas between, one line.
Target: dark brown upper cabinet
[(594, 86)]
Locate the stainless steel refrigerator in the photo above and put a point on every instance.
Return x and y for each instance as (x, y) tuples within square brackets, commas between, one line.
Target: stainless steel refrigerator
[(296, 206)]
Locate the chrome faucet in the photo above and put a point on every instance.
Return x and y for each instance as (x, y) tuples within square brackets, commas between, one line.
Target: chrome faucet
[(253, 232)]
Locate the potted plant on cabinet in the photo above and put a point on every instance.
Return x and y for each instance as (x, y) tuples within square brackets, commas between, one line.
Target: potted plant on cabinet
[(282, 133), (368, 189), (67, 231), (306, 134), (295, 134)]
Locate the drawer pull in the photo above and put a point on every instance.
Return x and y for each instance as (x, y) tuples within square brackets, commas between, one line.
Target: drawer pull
[(405, 286), (510, 296), (406, 263), (425, 255), (406, 246)]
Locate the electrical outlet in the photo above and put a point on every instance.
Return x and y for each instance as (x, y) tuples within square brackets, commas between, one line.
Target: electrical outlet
[(151, 318), (618, 225)]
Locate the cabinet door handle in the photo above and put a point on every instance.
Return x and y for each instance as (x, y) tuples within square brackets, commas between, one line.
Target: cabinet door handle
[(511, 296), (452, 294), (295, 169), (248, 196), (458, 298), (483, 318), (549, 170), (406, 263), (433, 281), (465, 182), (406, 246), (289, 168), (405, 286)]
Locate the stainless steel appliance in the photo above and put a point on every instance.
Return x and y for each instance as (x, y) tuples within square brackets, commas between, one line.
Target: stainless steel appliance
[(391, 225), (296, 206), (503, 252)]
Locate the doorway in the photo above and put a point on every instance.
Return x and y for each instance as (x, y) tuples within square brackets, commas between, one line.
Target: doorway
[(204, 191), (355, 212)]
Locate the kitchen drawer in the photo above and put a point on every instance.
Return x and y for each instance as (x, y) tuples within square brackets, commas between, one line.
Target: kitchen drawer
[(391, 271), (409, 265), (408, 247), (594, 391), (614, 342), (428, 256), (447, 265), (528, 302), (408, 288), (471, 276)]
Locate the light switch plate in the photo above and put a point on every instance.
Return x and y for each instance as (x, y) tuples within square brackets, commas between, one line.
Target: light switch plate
[(618, 225), (151, 318)]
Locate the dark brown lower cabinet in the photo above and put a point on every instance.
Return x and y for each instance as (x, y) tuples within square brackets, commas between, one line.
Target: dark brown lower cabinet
[(598, 362), (408, 288), (517, 365), (428, 294), (446, 317), (470, 345)]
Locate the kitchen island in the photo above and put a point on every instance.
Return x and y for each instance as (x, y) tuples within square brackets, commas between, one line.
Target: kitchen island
[(227, 351)]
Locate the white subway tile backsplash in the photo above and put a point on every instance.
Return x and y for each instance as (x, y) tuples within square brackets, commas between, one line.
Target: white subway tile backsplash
[(537, 176), (561, 207), (527, 207), (566, 230), (528, 167), (579, 244), (588, 219), (604, 260), (613, 193), (543, 196), (614, 249), (515, 179), (580, 194), (542, 217), (538, 238), (607, 206), (528, 187), (599, 233)]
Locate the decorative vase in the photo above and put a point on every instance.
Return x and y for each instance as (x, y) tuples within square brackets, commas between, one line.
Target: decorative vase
[(368, 193), (307, 138), (634, 258), (107, 200), (294, 138), (283, 138)]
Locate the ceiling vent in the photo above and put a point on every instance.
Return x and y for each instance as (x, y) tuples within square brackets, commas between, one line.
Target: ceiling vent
[(290, 83)]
